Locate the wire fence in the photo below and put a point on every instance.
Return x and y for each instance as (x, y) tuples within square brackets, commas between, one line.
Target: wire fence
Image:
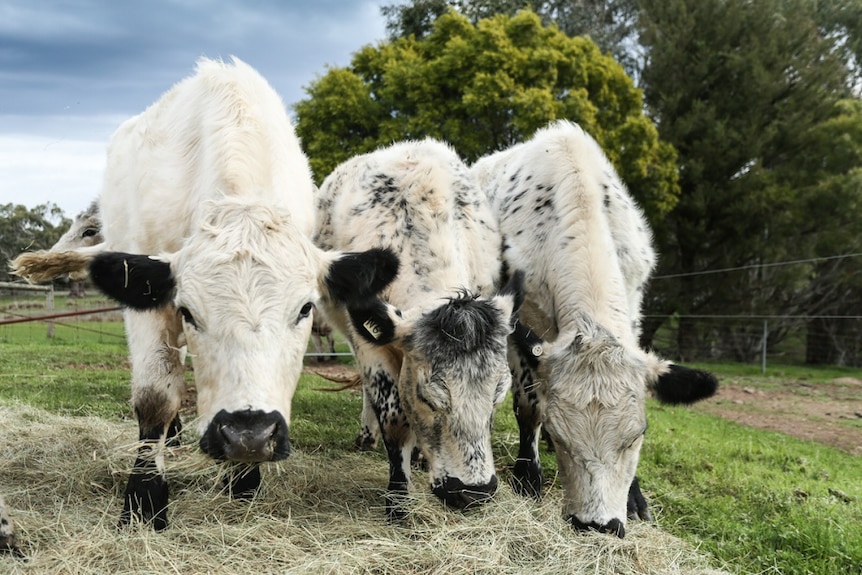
[(763, 339), (35, 312)]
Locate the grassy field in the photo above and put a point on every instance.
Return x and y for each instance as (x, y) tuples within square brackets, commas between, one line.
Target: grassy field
[(759, 502)]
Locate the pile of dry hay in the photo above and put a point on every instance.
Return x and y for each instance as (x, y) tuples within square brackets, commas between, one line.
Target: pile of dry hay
[(63, 479)]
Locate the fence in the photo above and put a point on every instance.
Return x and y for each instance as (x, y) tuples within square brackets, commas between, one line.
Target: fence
[(826, 340), (788, 339), (19, 305)]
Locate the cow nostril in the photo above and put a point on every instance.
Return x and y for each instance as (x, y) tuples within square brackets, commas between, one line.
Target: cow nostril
[(230, 435)]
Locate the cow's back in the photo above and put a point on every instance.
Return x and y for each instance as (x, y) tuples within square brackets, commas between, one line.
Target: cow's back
[(221, 132), (419, 199), (567, 219)]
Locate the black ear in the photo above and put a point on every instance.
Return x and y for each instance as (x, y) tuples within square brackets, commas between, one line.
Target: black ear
[(139, 282), (372, 321), (683, 385), (515, 287), (360, 276), (528, 343)]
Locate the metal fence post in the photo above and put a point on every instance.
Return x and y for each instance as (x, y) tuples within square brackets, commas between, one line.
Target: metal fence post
[(765, 334), (49, 305)]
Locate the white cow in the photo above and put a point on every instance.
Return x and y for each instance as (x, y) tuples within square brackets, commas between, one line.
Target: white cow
[(86, 230), (569, 223), (207, 209), (433, 372)]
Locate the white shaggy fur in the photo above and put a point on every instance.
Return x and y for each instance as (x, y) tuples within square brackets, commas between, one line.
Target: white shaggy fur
[(212, 170)]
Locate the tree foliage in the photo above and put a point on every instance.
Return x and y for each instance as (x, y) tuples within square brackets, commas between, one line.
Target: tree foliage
[(611, 24), (29, 229), (482, 88), (755, 98)]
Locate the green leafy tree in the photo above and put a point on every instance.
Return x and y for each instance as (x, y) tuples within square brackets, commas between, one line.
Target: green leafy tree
[(749, 94), (611, 24), (482, 88), (29, 229)]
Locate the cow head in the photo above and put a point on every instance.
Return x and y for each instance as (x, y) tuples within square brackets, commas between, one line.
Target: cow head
[(243, 288), (596, 415), (454, 373)]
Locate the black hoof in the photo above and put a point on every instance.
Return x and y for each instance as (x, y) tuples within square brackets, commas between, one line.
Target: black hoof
[(242, 481), (637, 506), (146, 500), (527, 479), (8, 546)]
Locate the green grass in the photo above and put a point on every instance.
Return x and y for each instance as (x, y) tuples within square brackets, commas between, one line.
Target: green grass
[(760, 502)]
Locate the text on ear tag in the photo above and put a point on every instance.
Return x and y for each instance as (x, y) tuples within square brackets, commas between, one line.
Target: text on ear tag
[(372, 328)]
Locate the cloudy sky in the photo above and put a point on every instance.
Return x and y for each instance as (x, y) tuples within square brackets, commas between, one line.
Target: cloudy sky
[(72, 70)]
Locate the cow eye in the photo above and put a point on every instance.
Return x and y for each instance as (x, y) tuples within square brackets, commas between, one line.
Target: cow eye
[(633, 441), (306, 310), (89, 232), (187, 316)]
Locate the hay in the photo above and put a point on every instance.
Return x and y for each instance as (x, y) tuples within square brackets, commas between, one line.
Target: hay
[(63, 479)]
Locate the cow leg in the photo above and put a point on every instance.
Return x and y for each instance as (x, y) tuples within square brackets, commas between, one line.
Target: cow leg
[(637, 504), (527, 476), (379, 384), (369, 432), (331, 338), (157, 390)]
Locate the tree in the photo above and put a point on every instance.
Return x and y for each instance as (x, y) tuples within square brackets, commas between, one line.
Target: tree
[(483, 88), (611, 24), (748, 93), (29, 229)]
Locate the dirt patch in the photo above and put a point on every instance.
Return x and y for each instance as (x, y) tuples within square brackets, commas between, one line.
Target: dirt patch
[(828, 413)]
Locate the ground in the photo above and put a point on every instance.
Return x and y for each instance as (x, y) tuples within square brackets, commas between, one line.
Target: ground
[(828, 413)]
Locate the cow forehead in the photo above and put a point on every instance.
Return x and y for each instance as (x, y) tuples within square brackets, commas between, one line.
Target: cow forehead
[(240, 240)]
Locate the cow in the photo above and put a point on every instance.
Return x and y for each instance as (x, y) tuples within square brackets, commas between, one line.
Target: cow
[(584, 245), (320, 331), (86, 230), (432, 359), (207, 213)]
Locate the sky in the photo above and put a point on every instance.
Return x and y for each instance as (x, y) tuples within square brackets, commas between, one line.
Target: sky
[(72, 70)]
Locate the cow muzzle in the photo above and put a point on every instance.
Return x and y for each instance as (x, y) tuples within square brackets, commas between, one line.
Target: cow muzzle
[(614, 526), (249, 436), (460, 496)]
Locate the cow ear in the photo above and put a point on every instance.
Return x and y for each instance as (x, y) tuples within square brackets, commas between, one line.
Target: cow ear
[(513, 291), (683, 385), (530, 346), (375, 321), (136, 281), (357, 277)]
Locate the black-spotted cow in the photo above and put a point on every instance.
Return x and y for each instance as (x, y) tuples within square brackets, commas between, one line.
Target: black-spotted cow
[(207, 208), (434, 371), (586, 249)]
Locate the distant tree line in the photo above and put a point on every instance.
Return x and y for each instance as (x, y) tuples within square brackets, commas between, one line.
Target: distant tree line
[(23, 228), (736, 124)]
